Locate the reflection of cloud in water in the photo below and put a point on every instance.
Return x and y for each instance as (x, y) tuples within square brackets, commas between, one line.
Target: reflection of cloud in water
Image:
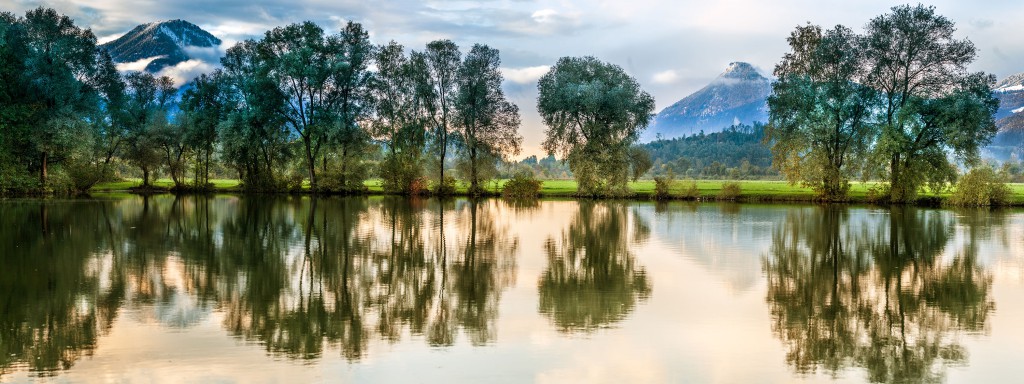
[(165, 298), (716, 236)]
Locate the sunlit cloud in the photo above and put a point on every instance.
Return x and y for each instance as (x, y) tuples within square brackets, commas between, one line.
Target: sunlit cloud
[(666, 77), (185, 71), (137, 65), (545, 16), (524, 75)]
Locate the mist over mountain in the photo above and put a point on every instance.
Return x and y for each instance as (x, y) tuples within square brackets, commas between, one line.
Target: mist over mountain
[(160, 46), (737, 96)]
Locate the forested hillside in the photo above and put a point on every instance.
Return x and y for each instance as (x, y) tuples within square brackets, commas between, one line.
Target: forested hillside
[(735, 153)]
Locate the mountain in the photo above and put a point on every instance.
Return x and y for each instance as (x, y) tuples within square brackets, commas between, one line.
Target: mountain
[(738, 95), (1009, 117), (166, 42)]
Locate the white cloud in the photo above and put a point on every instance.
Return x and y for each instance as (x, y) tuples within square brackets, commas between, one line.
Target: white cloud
[(185, 71), (137, 65), (666, 77), (545, 16), (524, 75)]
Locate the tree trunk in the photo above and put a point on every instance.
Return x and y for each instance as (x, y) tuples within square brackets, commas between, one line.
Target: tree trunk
[(444, 149), (206, 169), (312, 164), (895, 189), (344, 168), (42, 170), (474, 187), (145, 176)]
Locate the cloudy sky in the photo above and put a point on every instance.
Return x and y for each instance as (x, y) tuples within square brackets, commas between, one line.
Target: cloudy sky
[(673, 47)]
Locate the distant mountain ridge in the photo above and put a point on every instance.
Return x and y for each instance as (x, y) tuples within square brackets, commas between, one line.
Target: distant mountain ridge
[(164, 41), (1010, 116), (737, 96)]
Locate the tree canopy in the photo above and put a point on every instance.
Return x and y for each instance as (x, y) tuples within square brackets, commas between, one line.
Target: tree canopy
[(820, 127), (896, 102), (594, 112)]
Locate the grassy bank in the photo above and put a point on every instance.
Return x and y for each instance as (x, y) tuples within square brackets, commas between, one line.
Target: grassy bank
[(751, 190)]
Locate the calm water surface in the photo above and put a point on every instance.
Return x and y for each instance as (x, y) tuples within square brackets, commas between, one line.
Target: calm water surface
[(243, 289)]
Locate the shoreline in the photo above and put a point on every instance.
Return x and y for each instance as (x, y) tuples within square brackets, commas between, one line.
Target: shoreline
[(752, 192)]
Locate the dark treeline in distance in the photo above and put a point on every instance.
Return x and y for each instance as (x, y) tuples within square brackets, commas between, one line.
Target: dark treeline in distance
[(735, 153), (297, 105)]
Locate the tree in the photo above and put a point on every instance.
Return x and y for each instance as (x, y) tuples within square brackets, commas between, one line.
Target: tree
[(398, 122), (59, 56), (487, 122), (146, 117), (203, 107), (315, 74), (820, 114), (930, 105), (254, 137), (111, 86), (439, 89), (106, 127), (594, 112), (353, 106)]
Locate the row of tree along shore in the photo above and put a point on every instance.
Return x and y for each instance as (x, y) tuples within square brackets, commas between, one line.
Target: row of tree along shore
[(302, 109)]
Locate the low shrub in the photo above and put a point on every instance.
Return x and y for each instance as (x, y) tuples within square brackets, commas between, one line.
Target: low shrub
[(690, 191), (730, 191), (294, 181), (15, 182), (84, 175), (662, 187), (522, 186), (446, 187), (418, 186), (980, 187)]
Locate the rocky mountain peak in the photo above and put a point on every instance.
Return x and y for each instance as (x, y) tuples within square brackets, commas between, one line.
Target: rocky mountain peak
[(164, 42), (737, 96), (741, 71)]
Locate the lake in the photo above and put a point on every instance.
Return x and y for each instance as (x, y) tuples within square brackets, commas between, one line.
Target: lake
[(386, 289)]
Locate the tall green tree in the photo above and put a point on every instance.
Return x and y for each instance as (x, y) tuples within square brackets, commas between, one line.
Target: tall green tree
[(111, 87), (820, 114), (254, 138), (59, 57), (316, 74), (203, 107), (352, 81), (106, 126), (439, 90), (146, 118), (594, 112), (398, 122), (930, 105), (15, 110), (487, 122)]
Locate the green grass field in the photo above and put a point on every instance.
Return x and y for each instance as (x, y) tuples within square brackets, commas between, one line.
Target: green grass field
[(751, 190)]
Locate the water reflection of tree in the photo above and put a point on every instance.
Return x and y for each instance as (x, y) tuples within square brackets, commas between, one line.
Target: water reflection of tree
[(592, 280), (484, 268), (875, 295), (54, 305), (351, 272), (296, 275)]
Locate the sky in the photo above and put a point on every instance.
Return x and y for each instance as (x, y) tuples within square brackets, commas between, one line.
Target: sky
[(672, 47)]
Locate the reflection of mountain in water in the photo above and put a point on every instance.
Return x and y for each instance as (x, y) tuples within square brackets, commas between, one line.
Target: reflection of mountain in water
[(874, 292), (716, 236)]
